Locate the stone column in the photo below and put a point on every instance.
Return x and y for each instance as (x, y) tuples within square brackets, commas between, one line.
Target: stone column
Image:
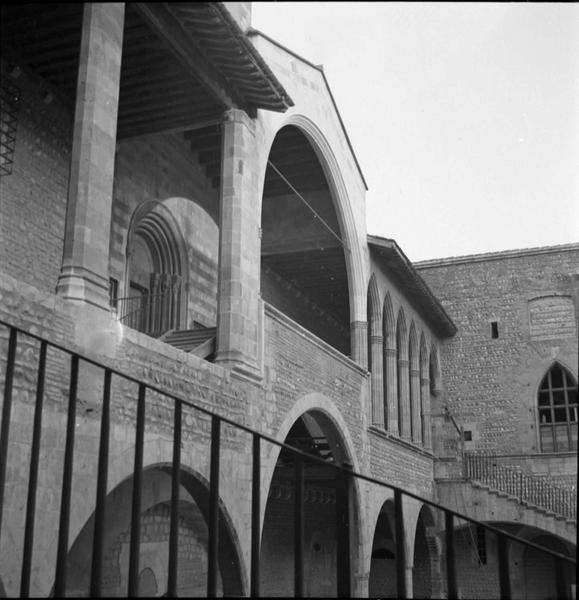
[(377, 379), (416, 409), (239, 245), (425, 404), (359, 342), (404, 399), (391, 387), (84, 274), (408, 573)]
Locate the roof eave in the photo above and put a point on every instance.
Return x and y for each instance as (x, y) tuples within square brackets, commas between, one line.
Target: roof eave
[(411, 280)]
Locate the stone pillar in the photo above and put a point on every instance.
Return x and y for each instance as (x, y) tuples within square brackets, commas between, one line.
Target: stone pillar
[(391, 387), (425, 405), (404, 397), (376, 343), (359, 342), (84, 274), (239, 245), (408, 574), (416, 408)]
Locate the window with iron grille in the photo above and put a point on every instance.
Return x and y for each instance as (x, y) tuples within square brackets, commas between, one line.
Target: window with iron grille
[(557, 400), (9, 104)]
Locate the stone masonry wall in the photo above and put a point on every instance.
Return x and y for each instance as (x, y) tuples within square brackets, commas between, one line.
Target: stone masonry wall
[(33, 197), (492, 383)]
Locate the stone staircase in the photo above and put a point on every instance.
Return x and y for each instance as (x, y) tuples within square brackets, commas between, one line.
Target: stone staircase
[(200, 341), (484, 503), (539, 492)]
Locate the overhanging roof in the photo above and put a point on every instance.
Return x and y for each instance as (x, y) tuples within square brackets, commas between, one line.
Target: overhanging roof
[(217, 35), (405, 276)]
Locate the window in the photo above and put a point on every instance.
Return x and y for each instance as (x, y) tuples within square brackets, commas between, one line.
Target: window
[(557, 400), (494, 330)]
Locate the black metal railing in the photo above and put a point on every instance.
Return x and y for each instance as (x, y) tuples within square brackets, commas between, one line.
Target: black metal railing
[(540, 491), (343, 478)]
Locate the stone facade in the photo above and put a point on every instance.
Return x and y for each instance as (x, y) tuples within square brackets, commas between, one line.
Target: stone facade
[(316, 336)]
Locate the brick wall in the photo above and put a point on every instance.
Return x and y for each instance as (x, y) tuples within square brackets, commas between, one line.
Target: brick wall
[(33, 197)]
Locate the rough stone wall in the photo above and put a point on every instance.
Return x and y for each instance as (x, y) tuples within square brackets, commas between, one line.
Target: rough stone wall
[(33, 197), (492, 384)]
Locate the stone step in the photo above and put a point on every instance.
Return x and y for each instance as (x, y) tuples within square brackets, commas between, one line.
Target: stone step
[(189, 339)]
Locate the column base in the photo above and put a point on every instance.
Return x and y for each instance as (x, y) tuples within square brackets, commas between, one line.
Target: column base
[(82, 285)]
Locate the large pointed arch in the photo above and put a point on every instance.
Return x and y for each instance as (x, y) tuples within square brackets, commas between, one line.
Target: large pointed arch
[(389, 368), (350, 230)]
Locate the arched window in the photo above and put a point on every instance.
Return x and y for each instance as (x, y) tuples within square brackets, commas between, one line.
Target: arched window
[(558, 411)]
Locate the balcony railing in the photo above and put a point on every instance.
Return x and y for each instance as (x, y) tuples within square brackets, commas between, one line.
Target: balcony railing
[(182, 409), (540, 491), (153, 314)]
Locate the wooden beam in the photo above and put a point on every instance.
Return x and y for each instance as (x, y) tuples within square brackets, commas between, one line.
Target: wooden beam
[(176, 39), (157, 126)]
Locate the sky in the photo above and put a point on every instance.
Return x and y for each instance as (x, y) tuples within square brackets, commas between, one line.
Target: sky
[(464, 117)]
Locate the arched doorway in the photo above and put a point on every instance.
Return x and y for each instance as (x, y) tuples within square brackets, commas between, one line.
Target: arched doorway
[(154, 540), (327, 509), (155, 291), (383, 580), (426, 576), (303, 263)]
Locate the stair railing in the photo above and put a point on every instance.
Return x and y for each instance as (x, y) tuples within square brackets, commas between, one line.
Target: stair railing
[(539, 490)]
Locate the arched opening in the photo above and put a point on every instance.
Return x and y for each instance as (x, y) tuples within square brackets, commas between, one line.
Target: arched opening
[(414, 380), (390, 370), (404, 428), (426, 576), (154, 541), (155, 291), (424, 393), (383, 582), (303, 265), (375, 346), (326, 503), (557, 408)]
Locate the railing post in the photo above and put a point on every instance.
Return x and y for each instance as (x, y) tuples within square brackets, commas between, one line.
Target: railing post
[(504, 578), (33, 477), (343, 534), (299, 528), (255, 514), (175, 483), (400, 549), (450, 563), (6, 410), (101, 492), (62, 550), (213, 545), (135, 539)]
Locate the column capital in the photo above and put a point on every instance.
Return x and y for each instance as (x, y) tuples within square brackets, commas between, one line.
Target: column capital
[(237, 115)]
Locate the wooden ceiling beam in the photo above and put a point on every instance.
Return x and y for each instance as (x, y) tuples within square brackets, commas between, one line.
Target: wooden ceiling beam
[(178, 42)]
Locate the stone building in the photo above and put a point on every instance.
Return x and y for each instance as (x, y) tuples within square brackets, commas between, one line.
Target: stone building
[(183, 221)]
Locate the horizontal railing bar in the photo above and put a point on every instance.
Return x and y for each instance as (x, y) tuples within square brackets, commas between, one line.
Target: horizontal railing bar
[(296, 452)]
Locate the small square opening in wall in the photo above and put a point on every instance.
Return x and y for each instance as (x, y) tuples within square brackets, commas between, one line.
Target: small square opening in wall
[(494, 330), (467, 436)]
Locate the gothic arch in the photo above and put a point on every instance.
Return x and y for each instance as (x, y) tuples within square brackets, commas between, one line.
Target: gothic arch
[(404, 426), (356, 260), (375, 351)]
